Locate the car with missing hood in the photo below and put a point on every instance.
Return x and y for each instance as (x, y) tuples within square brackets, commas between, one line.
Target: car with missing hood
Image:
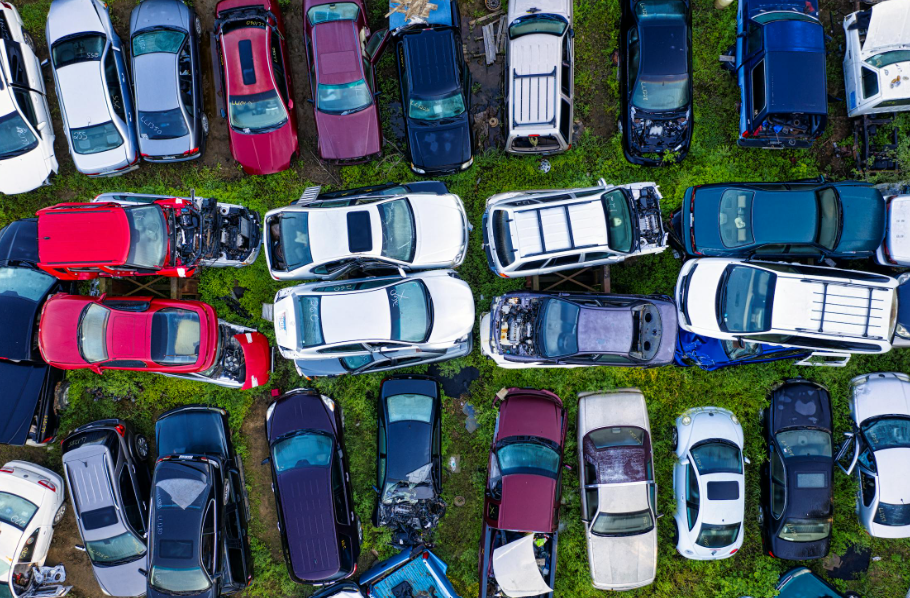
[(414, 226), (656, 80), (145, 235), (530, 329), (711, 354), (253, 89), (797, 489), (519, 537), (320, 533), (93, 88), (618, 491), (183, 339), (167, 81)]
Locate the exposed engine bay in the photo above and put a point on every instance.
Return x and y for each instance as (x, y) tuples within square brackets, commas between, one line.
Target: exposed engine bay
[(411, 509), (209, 233), (230, 364), (781, 128), (514, 325), (655, 133), (646, 203)]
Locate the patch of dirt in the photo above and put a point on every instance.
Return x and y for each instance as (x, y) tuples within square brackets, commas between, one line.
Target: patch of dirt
[(259, 477)]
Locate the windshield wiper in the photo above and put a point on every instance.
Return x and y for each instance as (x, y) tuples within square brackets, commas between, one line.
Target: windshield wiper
[(18, 152)]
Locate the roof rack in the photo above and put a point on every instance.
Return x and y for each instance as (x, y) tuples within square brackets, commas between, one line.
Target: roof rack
[(840, 314), (534, 101)]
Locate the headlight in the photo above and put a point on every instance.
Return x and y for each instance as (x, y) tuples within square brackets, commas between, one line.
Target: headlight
[(903, 278), (268, 412), (417, 170), (902, 331), (733, 419), (329, 403), (467, 164), (283, 293), (686, 420)]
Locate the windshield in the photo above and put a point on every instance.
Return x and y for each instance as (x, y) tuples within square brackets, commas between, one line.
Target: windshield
[(16, 137), (302, 450), (168, 124), (257, 111), (828, 218), (77, 49), (717, 536), (175, 336), (309, 321), (892, 515), (93, 333), (294, 233), (25, 283), (410, 311), (341, 11), (162, 40), (399, 238), (437, 109), (410, 407), (119, 548), (745, 298), (887, 433), (783, 15), (805, 443), (539, 23), (96, 139), (344, 98), (735, 218), (148, 237), (888, 58), (528, 457), (614, 437), (622, 524), (173, 580), (15, 510), (619, 224), (805, 530), (717, 457), (661, 92), (560, 328)]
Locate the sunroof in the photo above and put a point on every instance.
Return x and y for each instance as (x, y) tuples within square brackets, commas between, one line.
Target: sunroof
[(360, 236), (245, 47), (723, 490)]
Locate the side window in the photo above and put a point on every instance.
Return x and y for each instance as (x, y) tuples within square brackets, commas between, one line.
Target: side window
[(26, 106), (278, 65), (563, 261), (770, 250), (870, 83), (131, 506), (778, 489), (367, 70), (597, 255), (125, 363), (565, 120), (803, 250), (330, 267), (692, 496), (338, 493), (605, 358), (380, 472), (634, 56), (566, 70), (591, 499), (758, 89), (867, 487), (185, 77), (208, 539), (113, 84), (532, 265), (753, 40)]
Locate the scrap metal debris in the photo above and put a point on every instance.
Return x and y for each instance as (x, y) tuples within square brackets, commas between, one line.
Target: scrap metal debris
[(411, 508), (412, 9), (42, 582)]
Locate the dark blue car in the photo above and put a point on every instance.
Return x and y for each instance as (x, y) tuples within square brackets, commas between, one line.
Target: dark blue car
[(712, 354), (780, 68)]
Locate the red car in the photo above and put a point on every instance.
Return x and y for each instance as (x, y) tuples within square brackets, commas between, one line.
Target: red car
[(254, 80), (521, 501), (166, 336), (342, 83)]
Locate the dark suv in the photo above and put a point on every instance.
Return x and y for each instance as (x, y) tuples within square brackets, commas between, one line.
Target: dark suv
[(199, 543), (320, 534)]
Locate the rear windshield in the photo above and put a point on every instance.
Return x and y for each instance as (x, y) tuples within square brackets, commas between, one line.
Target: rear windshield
[(16, 137), (717, 457), (805, 530), (399, 238), (717, 536), (148, 237), (25, 283), (410, 407), (96, 139), (77, 49), (805, 443), (167, 124), (502, 238), (745, 299), (619, 222), (623, 524), (15, 510), (892, 515), (162, 40), (175, 336), (303, 450)]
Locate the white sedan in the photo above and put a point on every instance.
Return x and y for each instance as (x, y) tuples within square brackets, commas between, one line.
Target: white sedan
[(31, 504), (708, 483)]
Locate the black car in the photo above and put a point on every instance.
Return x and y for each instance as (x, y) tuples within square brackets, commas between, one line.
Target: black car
[(320, 533), (656, 80), (796, 489), (199, 544), (32, 388), (436, 97), (409, 462)]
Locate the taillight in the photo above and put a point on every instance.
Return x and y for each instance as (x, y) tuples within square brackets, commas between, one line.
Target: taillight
[(426, 555), (5, 5), (46, 440), (6, 471), (734, 551), (47, 485), (120, 430), (191, 152), (144, 155), (503, 275)]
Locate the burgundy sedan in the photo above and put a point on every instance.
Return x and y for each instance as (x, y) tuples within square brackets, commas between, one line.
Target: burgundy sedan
[(255, 83), (521, 502), (342, 84)]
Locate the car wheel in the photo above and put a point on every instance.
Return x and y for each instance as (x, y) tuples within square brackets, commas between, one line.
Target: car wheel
[(761, 515), (674, 438), (675, 536), (205, 124), (58, 516), (61, 396), (198, 25), (359, 531), (142, 446)]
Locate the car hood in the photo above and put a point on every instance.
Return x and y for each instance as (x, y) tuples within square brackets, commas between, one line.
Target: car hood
[(151, 13), (453, 308), (9, 541), (892, 475), (527, 503), (440, 147), (440, 228), (124, 580), (265, 153), (58, 332), (209, 593), (623, 561), (701, 303), (350, 136), (24, 173), (71, 16), (19, 315), (22, 383), (803, 405), (256, 357), (863, 218), (309, 522)]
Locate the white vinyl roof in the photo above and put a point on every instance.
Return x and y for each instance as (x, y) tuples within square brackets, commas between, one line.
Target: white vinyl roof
[(889, 28)]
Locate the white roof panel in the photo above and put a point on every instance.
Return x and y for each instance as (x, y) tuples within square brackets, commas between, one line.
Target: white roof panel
[(527, 230), (589, 223), (843, 310), (356, 316)]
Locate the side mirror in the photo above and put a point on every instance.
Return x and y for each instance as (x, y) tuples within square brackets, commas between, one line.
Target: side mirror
[(310, 101), (848, 434), (42, 125), (95, 368), (144, 572), (45, 62), (79, 547), (102, 297), (266, 461), (746, 459), (376, 94), (401, 272), (571, 34), (684, 461), (660, 515), (291, 104)]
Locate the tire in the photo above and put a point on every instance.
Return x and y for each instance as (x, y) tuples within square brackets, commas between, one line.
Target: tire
[(359, 531), (205, 124), (58, 516), (198, 24), (675, 536), (141, 445), (761, 515), (674, 438)]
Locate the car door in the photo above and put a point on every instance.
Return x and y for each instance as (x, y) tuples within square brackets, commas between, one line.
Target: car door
[(279, 68), (376, 46), (135, 508), (692, 496), (778, 488), (381, 452)]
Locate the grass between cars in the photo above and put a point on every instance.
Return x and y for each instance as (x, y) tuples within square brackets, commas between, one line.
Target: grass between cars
[(714, 157)]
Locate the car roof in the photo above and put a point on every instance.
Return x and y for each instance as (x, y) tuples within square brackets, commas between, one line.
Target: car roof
[(338, 326), (90, 484), (308, 510), (892, 475), (83, 94), (605, 330), (622, 498), (338, 53), (155, 81), (71, 235), (332, 232), (247, 60), (562, 227), (430, 55), (19, 241), (189, 485), (795, 69), (722, 498)]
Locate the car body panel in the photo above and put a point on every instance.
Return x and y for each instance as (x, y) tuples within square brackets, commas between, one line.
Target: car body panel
[(29, 400), (895, 249), (711, 354), (424, 571)]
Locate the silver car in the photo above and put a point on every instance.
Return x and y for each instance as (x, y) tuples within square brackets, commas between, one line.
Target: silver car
[(92, 87)]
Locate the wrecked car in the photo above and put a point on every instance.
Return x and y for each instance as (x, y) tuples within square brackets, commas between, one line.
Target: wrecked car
[(521, 502), (656, 80), (145, 235), (528, 329), (711, 354), (527, 233), (409, 461), (183, 339), (415, 572)]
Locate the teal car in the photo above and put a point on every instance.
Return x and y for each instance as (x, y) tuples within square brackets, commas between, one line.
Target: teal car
[(802, 583)]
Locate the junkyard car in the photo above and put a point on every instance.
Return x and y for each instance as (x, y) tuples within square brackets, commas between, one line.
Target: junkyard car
[(895, 249), (409, 458), (424, 571), (793, 305), (305, 431), (93, 88), (179, 338), (802, 583), (416, 226), (27, 158), (708, 483), (374, 324), (787, 221), (877, 54), (711, 354), (144, 235), (878, 449), (618, 494), (32, 503), (539, 75), (199, 544), (521, 501), (797, 503), (780, 68), (164, 42), (526, 233), (109, 484), (656, 80), (528, 329), (341, 55), (255, 85)]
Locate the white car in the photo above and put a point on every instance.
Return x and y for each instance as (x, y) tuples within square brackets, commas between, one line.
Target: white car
[(27, 157), (895, 249), (708, 483), (877, 59), (32, 503), (880, 443), (793, 305), (359, 321), (416, 226), (619, 496)]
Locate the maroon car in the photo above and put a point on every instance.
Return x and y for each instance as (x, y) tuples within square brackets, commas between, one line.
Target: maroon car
[(342, 85), (253, 84), (521, 502)]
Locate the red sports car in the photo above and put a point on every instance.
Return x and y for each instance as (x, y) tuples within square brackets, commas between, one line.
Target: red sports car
[(166, 336), (255, 83), (521, 502), (342, 83)]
